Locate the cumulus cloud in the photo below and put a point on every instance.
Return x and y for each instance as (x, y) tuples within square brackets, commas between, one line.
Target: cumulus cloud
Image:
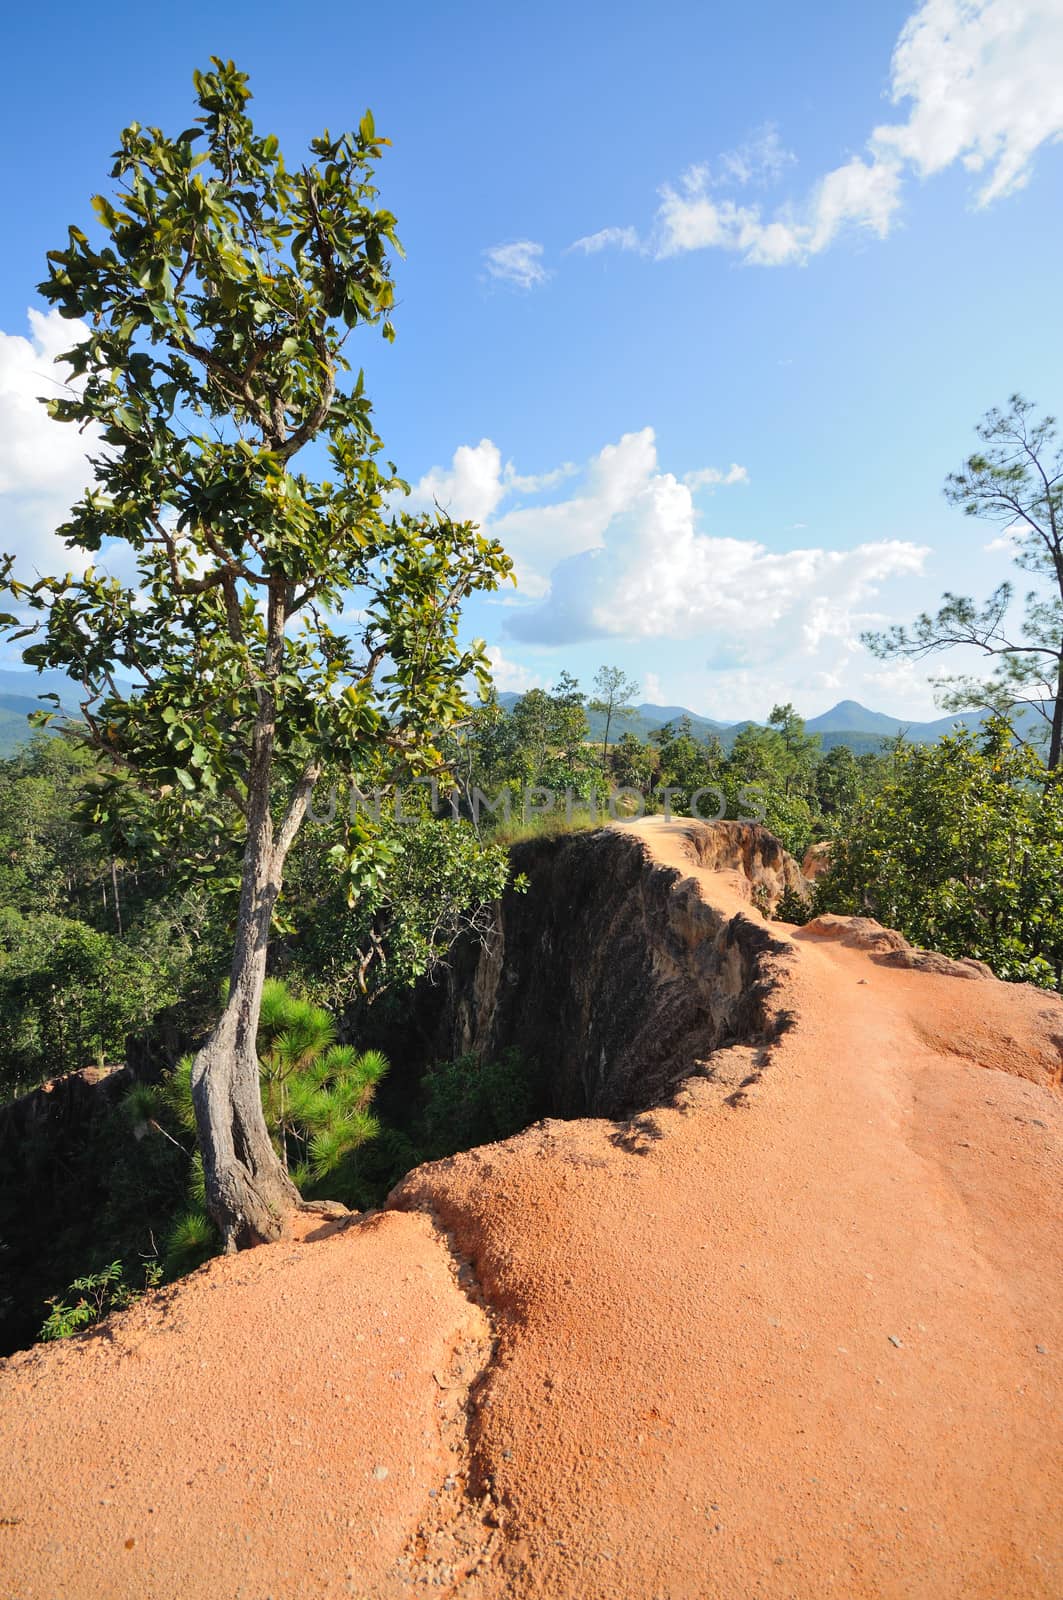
[(34, 450), (519, 263), (647, 571), (469, 489), (511, 676), (696, 220), (536, 482), (43, 464), (622, 554), (476, 484), (980, 79)]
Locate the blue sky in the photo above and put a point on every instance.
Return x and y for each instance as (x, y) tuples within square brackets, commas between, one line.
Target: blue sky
[(818, 242)]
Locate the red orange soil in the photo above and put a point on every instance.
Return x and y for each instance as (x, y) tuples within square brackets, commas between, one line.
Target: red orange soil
[(808, 1345)]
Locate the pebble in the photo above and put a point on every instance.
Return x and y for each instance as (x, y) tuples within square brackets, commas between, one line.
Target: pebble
[(894, 1340), (380, 1473)]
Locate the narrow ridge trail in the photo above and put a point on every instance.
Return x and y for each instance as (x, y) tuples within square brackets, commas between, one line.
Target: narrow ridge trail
[(798, 1334)]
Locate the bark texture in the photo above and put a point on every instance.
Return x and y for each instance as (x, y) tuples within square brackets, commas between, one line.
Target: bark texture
[(248, 1191), (249, 1194)]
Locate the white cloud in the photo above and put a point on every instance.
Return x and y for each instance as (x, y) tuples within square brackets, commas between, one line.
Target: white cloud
[(511, 676), (761, 159), (43, 464), (637, 566), (623, 555), (34, 450), (536, 482), (1008, 543), (981, 79), (860, 195), (695, 221), (651, 689), (711, 477), (519, 263), (538, 537), (476, 481), (984, 79), (469, 490), (607, 239), (865, 194)]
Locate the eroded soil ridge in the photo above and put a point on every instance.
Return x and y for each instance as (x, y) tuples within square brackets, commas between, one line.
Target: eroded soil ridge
[(792, 1332)]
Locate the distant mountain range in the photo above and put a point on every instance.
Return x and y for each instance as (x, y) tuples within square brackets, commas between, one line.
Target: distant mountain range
[(848, 723), (19, 695)]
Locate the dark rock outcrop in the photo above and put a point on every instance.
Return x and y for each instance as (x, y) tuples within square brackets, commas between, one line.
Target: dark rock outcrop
[(612, 973), (60, 1108)]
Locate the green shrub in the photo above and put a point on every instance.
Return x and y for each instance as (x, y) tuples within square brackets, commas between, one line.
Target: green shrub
[(471, 1101), (192, 1240), (794, 908), (99, 1293), (962, 851)]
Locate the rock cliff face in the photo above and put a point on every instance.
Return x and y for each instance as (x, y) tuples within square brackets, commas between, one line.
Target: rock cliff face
[(61, 1107), (613, 973)]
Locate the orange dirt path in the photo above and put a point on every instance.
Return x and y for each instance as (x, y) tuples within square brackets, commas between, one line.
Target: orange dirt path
[(806, 1346)]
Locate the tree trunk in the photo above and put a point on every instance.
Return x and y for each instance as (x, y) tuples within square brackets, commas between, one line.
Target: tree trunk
[(249, 1194), (605, 740), (117, 902), (1055, 747)]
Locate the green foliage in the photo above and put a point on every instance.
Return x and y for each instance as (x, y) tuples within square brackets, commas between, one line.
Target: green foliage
[(613, 696), (548, 825), (541, 742), (962, 850), (1015, 480), (780, 769), (99, 1293), (636, 765), (473, 1101), (92, 947), (70, 994), (422, 884), (192, 1240), (219, 304), (316, 1096), (315, 1092), (794, 908), (47, 863), (838, 780)]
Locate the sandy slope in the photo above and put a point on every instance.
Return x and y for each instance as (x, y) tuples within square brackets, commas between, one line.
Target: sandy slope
[(806, 1345)]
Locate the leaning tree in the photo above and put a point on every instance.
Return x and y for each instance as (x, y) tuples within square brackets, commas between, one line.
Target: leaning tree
[(217, 663), (1016, 481)]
